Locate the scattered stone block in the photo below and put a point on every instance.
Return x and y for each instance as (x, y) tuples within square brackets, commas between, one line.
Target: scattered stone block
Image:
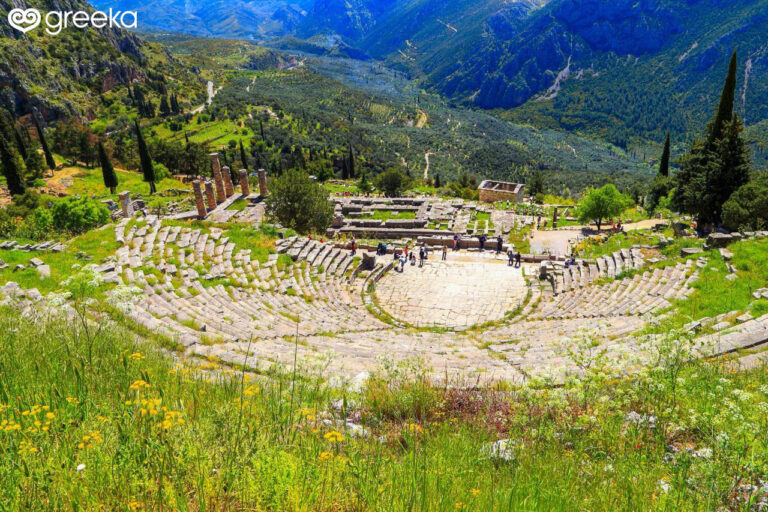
[(44, 271), (689, 251), (717, 240)]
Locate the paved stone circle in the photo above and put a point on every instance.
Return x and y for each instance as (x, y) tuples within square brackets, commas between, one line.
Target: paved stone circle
[(465, 290)]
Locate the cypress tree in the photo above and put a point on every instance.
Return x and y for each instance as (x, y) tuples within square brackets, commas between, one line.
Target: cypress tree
[(437, 180), (46, 150), (175, 104), (145, 160), (165, 109), (351, 162), (261, 131), (715, 167), (107, 171), (243, 158), (13, 167), (20, 144), (725, 109), (664, 164)]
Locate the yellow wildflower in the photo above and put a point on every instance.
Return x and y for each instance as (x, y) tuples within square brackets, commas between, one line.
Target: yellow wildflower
[(136, 356), (140, 384), (334, 437), (324, 456), (26, 448)]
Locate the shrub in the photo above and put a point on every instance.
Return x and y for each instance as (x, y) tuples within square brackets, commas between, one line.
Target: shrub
[(77, 215), (392, 182), (38, 225), (747, 208)]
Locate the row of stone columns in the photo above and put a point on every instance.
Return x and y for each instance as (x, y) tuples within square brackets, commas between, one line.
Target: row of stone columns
[(207, 199), (222, 181)]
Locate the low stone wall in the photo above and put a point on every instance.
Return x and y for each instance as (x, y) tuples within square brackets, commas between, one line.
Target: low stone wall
[(405, 223)]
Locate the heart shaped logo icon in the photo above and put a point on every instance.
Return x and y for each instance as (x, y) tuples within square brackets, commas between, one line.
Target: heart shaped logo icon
[(24, 20)]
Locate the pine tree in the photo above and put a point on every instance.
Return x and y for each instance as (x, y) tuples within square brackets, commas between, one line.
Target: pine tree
[(733, 165), (725, 109), (46, 150), (107, 171), (243, 158), (145, 160), (13, 167), (664, 164)]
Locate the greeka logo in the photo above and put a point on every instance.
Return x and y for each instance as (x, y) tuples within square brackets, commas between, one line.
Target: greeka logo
[(25, 20)]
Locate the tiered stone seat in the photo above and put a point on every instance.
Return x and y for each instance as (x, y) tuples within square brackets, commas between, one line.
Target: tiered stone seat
[(335, 261), (585, 273), (642, 294), (174, 266)]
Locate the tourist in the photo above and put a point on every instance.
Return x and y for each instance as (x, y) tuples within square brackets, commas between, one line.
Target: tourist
[(499, 245), (482, 240), (413, 259), (426, 251), (510, 256), (445, 252), (402, 262), (353, 246), (455, 242), (421, 257), (518, 257)]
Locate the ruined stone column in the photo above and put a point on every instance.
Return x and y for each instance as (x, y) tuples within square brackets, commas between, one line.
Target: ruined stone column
[(199, 201), (554, 218), (263, 183), (125, 203), (220, 195), (209, 195), (244, 187), (227, 175)]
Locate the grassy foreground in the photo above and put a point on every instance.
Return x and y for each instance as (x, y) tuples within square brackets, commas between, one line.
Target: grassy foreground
[(97, 420)]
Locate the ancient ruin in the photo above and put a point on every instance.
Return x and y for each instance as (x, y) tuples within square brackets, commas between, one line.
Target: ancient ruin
[(493, 191)]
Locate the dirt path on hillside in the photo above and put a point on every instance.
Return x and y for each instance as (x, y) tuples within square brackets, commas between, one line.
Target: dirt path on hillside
[(426, 169)]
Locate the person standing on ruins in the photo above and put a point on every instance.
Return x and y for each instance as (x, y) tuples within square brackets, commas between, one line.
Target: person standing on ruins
[(499, 244), (482, 242), (421, 257), (353, 246), (518, 257), (510, 257), (445, 252)]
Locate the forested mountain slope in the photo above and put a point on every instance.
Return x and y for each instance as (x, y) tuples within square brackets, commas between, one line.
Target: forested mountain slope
[(80, 72)]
